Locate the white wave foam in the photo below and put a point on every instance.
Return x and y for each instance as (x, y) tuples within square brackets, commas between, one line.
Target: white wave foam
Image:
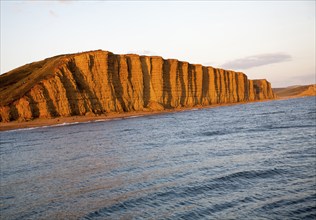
[(134, 116)]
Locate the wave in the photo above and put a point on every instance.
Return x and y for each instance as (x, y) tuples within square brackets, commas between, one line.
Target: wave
[(181, 195), (133, 116), (302, 207), (66, 124), (214, 133), (101, 120), (251, 174), (45, 126), (22, 129), (273, 127), (273, 113)]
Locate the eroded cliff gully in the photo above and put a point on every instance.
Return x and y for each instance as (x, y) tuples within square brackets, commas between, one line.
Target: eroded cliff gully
[(98, 82)]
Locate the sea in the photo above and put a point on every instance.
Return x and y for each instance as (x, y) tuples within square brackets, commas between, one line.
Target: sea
[(247, 161)]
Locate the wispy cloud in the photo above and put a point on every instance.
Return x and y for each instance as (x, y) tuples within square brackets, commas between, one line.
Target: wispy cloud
[(143, 52), (65, 1), (256, 60), (53, 14), (306, 78)]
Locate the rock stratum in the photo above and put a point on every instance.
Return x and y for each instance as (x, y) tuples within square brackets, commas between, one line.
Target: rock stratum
[(99, 82)]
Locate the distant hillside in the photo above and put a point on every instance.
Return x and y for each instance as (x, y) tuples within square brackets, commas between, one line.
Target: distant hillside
[(296, 91)]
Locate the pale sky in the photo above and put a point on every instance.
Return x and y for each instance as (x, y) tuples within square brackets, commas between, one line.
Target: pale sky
[(264, 39)]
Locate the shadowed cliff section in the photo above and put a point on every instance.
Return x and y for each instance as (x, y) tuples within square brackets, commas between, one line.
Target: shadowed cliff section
[(99, 82)]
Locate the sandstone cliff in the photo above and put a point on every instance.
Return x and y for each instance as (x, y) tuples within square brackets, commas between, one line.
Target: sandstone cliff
[(98, 82)]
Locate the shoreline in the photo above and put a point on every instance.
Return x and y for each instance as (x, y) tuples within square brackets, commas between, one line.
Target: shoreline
[(43, 122)]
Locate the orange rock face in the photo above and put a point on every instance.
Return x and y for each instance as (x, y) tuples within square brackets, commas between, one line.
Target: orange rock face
[(99, 82)]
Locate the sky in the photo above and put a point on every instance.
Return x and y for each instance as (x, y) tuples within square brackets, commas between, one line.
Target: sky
[(274, 40)]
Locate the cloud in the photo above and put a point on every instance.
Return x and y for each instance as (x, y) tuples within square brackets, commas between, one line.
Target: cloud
[(211, 63), (143, 52), (306, 79), (52, 13), (65, 1), (256, 60)]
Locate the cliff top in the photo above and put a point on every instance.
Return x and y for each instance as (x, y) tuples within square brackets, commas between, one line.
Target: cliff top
[(17, 82)]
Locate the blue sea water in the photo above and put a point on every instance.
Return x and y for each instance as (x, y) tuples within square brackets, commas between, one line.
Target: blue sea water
[(250, 161)]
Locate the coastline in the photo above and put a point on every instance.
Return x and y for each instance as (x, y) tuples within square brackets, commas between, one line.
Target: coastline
[(42, 122)]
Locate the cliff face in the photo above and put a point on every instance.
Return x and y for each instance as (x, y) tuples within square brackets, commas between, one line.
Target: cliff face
[(98, 82)]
